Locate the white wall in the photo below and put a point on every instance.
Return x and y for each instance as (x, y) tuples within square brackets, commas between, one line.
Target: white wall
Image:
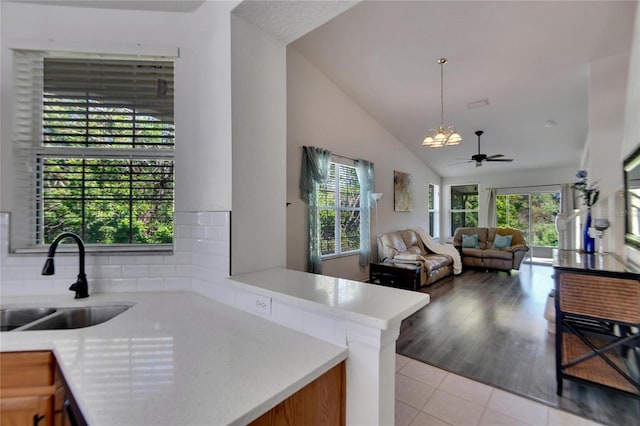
[(493, 179), (320, 114), (203, 109), (607, 94), (259, 154), (601, 156)]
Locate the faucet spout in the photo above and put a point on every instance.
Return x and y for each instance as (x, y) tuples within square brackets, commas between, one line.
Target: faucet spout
[(81, 286)]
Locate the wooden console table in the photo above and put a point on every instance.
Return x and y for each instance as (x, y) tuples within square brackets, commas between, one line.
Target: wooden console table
[(401, 275), (597, 305)]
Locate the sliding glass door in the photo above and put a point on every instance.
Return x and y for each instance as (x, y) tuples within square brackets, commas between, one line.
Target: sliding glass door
[(534, 214), (545, 206), (513, 211)]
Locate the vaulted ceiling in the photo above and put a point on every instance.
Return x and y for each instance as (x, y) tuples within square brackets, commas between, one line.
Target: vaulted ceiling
[(529, 59)]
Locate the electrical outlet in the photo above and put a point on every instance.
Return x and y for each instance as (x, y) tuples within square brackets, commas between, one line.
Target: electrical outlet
[(254, 303), (262, 305)]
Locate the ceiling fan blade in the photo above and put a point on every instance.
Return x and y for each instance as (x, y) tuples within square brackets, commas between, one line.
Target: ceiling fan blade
[(461, 162), (479, 157)]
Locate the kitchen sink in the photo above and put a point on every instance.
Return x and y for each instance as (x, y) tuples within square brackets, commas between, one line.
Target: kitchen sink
[(11, 318), (18, 319), (79, 317)]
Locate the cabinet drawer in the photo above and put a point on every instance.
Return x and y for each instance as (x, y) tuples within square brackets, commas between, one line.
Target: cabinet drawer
[(26, 369), (26, 410)]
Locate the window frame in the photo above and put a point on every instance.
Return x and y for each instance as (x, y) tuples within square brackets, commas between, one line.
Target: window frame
[(529, 234), (32, 238), (337, 209), (452, 211), (433, 209)]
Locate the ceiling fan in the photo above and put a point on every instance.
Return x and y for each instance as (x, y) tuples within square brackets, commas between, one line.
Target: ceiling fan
[(479, 157)]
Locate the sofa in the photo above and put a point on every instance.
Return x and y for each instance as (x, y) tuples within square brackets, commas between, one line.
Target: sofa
[(494, 248), (405, 249)]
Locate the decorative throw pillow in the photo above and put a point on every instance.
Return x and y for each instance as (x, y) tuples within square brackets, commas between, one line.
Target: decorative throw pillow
[(502, 241), (470, 241)]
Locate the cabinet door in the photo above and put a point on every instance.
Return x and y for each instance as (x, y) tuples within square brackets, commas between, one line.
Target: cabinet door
[(26, 411), (60, 417), (321, 402), (26, 369)]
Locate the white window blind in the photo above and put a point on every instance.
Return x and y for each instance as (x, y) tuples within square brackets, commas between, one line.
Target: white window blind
[(97, 136), (339, 209), (433, 204), (108, 103)]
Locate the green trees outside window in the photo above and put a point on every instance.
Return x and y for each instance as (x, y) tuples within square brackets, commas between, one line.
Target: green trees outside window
[(464, 206), (339, 210), (108, 201), (533, 214), (105, 167)]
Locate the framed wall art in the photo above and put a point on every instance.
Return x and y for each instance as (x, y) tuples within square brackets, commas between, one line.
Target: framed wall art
[(402, 198)]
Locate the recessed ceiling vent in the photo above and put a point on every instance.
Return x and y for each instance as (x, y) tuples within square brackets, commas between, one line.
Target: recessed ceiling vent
[(478, 104)]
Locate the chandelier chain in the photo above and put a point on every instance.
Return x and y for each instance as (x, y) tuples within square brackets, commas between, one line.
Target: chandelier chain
[(442, 93)]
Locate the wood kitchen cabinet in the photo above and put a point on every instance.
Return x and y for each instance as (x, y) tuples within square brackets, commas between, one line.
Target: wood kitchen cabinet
[(32, 390), (26, 410), (321, 402)]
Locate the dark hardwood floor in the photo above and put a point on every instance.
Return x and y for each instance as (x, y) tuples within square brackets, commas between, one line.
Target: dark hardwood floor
[(489, 326)]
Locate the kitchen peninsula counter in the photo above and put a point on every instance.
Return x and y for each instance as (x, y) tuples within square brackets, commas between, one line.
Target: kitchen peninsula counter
[(176, 358)]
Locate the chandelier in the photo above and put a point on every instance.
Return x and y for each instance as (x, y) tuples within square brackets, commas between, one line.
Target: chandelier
[(442, 136)]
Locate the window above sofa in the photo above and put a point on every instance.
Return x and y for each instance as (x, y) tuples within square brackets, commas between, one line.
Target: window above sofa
[(464, 206)]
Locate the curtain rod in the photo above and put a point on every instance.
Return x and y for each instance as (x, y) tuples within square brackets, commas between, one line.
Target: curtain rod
[(527, 186), (342, 156), (333, 154)]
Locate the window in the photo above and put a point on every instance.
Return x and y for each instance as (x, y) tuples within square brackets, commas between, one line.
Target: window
[(339, 209), (103, 152), (434, 210), (533, 214), (464, 206)]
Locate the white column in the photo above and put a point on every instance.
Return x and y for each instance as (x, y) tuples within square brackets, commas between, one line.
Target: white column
[(371, 374)]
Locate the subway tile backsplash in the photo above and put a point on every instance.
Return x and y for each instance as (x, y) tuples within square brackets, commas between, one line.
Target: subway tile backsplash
[(201, 253)]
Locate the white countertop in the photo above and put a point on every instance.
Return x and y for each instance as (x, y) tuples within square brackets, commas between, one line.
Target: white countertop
[(180, 358), (368, 304)]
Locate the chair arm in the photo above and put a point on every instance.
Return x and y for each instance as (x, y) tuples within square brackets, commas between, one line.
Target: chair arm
[(518, 255)]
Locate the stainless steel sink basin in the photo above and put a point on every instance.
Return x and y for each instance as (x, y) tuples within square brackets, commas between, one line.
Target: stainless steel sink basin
[(12, 318), (69, 318)]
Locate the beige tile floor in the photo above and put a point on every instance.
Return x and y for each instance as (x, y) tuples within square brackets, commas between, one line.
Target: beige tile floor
[(429, 396)]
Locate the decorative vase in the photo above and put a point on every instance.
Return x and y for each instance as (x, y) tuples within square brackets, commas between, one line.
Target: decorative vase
[(589, 243)]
